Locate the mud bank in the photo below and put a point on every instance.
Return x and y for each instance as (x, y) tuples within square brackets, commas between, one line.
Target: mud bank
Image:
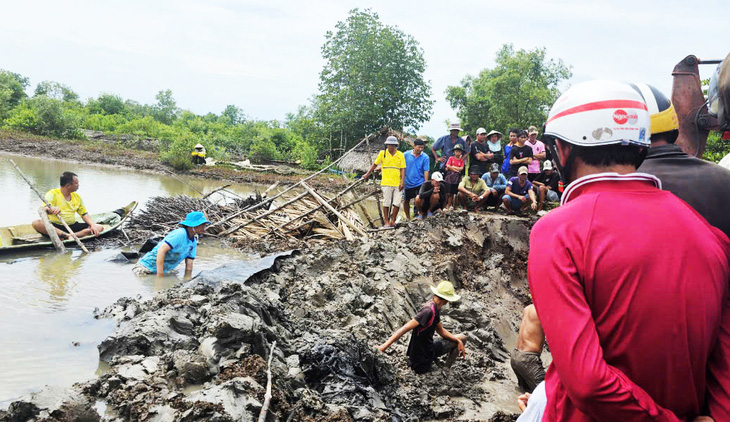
[(199, 351), (141, 155)]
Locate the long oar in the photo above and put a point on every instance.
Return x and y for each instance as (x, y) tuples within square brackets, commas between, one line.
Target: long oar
[(81, 245)]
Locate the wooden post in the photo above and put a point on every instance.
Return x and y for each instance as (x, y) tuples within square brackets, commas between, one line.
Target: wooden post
[(326, 204), (51, 230)]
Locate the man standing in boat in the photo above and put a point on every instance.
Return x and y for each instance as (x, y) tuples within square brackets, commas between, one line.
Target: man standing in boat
[(66, 203), (180, 244)]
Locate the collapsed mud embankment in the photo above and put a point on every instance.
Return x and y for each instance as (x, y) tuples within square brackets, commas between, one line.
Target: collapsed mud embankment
[(199, 351), (142, 155)]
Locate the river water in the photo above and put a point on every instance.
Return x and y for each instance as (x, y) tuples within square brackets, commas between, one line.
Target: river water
[(47, 299)]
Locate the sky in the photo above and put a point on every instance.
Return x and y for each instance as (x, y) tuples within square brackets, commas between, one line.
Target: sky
[(265, 57)]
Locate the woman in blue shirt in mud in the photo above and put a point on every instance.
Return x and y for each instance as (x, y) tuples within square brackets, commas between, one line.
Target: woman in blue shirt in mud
[(180, 244)]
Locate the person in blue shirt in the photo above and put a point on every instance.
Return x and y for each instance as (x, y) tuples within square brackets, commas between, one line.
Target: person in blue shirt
[(446, 144), (497, 184), (180, 244), (519, 194), (507, 149), (417, 167)]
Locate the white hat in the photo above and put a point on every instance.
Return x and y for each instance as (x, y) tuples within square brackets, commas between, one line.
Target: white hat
[(522, 170), (198, 146), (392, 140), (481, 130), (455, 126), (437, 176), (494, 132), (548, 165)]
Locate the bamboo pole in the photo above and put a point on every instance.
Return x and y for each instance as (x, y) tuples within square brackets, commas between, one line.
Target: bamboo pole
[(70, 232), (316, 196), (214, 191), (51, 230), (181, 180), (261, 204), (349, 188), (259, 217)]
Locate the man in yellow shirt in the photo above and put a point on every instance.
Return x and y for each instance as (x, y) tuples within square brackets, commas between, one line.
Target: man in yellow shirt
[(394, 173), (65, 203)]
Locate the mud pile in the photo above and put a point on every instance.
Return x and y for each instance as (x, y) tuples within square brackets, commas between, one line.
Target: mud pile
[(199, 351)]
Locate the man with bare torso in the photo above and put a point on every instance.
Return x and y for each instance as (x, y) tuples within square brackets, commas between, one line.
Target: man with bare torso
[(525, 358)]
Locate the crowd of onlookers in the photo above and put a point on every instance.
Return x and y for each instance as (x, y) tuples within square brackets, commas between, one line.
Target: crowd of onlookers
[(514, 175)]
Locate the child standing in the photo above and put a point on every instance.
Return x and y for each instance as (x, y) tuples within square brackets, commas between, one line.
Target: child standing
[(454, 169)]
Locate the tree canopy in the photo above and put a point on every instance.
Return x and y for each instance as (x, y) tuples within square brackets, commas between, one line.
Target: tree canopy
[(517, 92), (373, 77)]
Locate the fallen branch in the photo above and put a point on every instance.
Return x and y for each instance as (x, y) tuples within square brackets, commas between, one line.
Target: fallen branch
[(267, 396)]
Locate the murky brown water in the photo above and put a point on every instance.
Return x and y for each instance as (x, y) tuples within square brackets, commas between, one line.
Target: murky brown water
[(47, 299)]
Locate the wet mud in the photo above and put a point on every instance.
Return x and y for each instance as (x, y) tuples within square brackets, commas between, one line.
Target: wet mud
[(199, 351)]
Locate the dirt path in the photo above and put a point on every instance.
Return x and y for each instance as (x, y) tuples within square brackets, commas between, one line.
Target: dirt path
[(140, 159)]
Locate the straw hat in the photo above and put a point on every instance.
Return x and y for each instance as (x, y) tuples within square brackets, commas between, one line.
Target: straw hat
[(494, 132), (445, 290)]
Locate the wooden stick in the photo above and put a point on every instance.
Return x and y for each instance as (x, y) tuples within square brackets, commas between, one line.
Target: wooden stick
[(215, 190), (261, 204), (267, 396), (70, 232), (326, 204), (181, 180), (352, 186), (51, 230), (259, 217)]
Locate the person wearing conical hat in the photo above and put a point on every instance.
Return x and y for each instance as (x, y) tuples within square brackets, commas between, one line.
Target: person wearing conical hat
[(198, 154), (422, 350)]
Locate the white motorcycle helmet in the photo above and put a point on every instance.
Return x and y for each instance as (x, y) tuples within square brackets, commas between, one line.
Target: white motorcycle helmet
[(598, 113)]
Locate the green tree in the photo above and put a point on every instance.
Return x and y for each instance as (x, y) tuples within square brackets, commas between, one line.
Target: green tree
[(106, 104), (45, 116), (165, 111), (233, 115), (373, 77), (56, 91), (12, 91), (716, 147), (517, 92)]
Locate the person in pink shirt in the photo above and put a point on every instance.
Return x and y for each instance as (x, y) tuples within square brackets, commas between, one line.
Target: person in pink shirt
[(630, 284), (538, 153)]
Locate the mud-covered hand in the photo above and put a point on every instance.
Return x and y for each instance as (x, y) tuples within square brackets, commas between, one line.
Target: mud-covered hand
[(522, 401), (533, 206), (381, 347), (460, 347)]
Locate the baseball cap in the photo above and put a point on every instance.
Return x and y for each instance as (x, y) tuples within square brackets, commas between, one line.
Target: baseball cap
[(481, 130), (522, 170)]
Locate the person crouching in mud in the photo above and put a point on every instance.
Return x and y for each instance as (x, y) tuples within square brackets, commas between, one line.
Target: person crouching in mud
[(422, 350)]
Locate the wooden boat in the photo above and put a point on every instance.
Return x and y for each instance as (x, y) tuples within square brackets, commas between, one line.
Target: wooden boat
[(24, 236)]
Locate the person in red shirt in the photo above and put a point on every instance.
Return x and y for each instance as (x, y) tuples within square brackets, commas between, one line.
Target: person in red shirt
[(630, 284)]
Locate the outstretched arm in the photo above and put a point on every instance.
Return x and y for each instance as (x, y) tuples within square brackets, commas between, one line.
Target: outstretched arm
[(398, 334)]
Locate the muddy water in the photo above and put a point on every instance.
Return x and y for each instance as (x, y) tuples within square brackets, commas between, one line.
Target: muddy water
[(47, 300)]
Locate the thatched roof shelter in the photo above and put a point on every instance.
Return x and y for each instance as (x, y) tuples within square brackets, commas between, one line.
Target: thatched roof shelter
[(361, 158)]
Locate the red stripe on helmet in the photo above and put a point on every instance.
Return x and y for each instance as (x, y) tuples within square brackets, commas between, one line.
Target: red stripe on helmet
[(600, 105)]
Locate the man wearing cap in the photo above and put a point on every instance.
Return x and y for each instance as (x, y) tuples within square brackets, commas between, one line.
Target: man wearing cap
[(394, 173), (431, 197), (480, 156), (473, 191), (538, 153), (180, 244), (446, 143), (417, 167), (198, 155), (519, 194), (496, 185), (422, 350), (546, 185)]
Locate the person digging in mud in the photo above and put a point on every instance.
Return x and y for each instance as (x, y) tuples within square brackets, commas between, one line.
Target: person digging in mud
[(66, 203), (525, 357), (422, 350), (394, 173), (198, 155), (430, 197), (180, 244)]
